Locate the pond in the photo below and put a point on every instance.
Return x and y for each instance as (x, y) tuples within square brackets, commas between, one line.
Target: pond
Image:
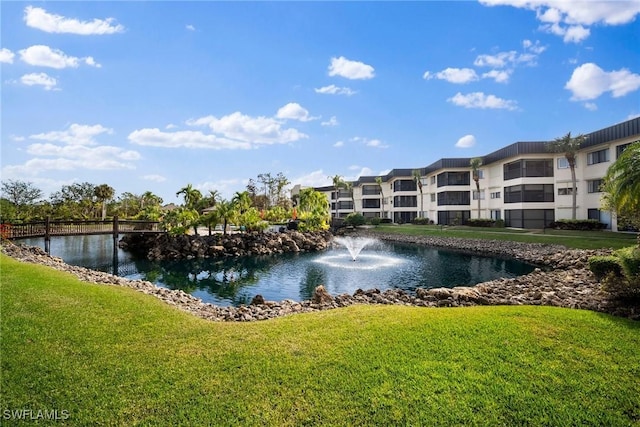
[(291, 276)]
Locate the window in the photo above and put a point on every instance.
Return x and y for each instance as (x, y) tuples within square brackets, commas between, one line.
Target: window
[(567, 191), (620, 149), (563, 163), (404, 185), (405, 201), (370, 190), (480, 174), (447, 198), (475, 194), (495, 195), (593, 186), (596, 157), (370, 203), (495, 214), (593, 214), (528, 193), (433, 197), (345, 205), (433, 179), (453, 217), (454, 178), (528, 168), (529, 218)]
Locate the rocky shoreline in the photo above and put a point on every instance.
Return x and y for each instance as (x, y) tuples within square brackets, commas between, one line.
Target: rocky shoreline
[(562, 280)]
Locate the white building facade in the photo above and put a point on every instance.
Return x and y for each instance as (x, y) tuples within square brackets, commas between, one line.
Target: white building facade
[(524, 184)]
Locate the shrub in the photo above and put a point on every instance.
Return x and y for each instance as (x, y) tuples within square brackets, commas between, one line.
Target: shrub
[(480, 222), (578, 224), (421, 221), (619, 273), (355, 219), (629, 259), (499, 223), (601, 266), (374, 221), (386, 221)]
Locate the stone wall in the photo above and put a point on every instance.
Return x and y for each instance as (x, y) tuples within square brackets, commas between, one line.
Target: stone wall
[(167, 247), (563, 280)]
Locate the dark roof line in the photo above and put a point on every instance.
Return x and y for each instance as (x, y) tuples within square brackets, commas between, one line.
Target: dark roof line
[(612, 133)]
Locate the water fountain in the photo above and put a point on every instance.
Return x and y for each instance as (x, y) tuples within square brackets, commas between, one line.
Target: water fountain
[(355, 244)]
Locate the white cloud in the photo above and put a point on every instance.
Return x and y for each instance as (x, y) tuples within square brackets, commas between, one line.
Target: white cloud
[(187, 139), (170, 126), (75, 135), (44, 56), (74, 148), (40, 19), (333, 121), (335, 90), (453, 75), (361, 171), (225, 187), (505, 59), (590, 106), (313, 179), (154, 178), (39, 79), (466, 141), (500, 76), (354, 70), (253, 130), (376, 143), (589, 81), (339, 144), (569, 18), (190, 27), (6, 56), (480, 100), (294, 111), (534, 47)]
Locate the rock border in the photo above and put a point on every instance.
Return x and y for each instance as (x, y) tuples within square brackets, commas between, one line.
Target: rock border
[(562, 279)]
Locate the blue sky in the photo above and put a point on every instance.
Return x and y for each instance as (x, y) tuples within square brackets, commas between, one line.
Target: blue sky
[(151, 96)]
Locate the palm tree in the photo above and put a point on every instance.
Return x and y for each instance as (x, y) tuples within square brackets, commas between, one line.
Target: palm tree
[(475, 164), (104, 193), (191, 196), (337, 183), (417, 177), (379, 182), (242, 200), (569, 147), (349, 187), (622, 185), (226, 212)]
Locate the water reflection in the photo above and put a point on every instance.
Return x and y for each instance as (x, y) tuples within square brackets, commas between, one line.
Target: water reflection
[(232, 281)]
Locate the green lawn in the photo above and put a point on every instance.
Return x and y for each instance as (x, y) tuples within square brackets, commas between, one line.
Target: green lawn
[(112, 356), (571, 239)]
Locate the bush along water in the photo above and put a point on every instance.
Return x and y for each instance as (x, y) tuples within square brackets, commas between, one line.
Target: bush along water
[(619, 272)]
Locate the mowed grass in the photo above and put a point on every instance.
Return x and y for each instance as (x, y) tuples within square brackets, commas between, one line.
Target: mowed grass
[(112, 356), (568, 238)]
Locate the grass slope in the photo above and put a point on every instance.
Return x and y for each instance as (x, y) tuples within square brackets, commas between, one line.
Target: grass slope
[(112, 356), (570, 239)]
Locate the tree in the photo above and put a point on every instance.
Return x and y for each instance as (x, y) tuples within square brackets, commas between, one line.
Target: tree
[(379, 182), (226, 213), (75, 201), (349, 187), (622, 185), (21, 194), (313, 210), (337, 183), (242, 201), (417, 177), (104, 193), (191, 196), (569, 147), (475, 164)]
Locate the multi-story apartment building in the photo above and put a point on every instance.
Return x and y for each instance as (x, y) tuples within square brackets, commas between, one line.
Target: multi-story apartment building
[(524, 184)]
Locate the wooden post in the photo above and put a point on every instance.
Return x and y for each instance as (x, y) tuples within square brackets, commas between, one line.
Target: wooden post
[(47, 234), (115, 244)]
